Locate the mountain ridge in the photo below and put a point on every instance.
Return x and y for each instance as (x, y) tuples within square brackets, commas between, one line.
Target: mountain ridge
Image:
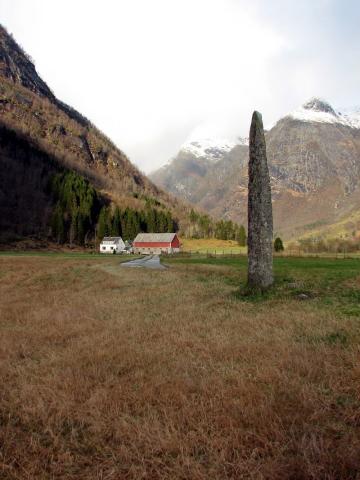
[(41, 133), (314, 162), (18, 66)]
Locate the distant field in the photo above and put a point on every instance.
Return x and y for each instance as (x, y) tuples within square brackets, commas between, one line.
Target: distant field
[(211, 245), (341, 229), (112, 373), (70, 255)]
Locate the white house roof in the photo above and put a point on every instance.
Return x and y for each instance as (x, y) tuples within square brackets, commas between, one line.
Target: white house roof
[(111, 239), (155, 237)]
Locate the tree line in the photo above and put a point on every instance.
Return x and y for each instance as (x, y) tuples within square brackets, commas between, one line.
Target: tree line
[(77, 206), (79, 214), (326, 245), (202, 226), (129, 222)]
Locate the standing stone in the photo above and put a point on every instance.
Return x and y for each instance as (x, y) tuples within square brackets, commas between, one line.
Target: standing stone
[(260, 220)]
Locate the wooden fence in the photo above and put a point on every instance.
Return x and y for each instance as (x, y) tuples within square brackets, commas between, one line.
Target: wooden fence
[(287, 253)]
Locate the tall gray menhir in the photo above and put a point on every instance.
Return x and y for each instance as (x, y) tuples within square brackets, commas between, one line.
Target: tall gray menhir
[(260, 220)]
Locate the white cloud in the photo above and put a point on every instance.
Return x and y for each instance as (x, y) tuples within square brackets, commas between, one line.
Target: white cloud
[(151, 73)]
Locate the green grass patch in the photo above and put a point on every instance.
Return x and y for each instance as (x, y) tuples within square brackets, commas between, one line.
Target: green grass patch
[(323, 281), (71, 255)]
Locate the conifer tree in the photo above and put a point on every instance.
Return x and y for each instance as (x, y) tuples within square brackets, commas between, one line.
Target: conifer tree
[(169, 223), (80, 228), (134, 224), (103, 224), (116, 223), (278, 245), (57, 224), (162, 224), (73, 227), (241, 236), (151, 220)]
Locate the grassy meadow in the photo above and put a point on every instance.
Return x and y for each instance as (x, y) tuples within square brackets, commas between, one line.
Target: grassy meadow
[(211, 245), (111, 373)]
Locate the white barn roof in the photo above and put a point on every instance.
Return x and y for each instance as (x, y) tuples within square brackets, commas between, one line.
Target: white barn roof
[(111, 239), (155, 237)]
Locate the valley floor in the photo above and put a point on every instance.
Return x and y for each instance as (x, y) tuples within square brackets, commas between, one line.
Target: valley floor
[(211, 245), (121, 373)]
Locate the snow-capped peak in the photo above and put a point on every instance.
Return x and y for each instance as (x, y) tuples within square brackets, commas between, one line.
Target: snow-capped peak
[(318, 105), (211, 148), (351, 115), (320, 111), (317, 110)]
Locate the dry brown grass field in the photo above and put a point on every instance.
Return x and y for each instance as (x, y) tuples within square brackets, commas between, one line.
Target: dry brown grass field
[(114, 373)]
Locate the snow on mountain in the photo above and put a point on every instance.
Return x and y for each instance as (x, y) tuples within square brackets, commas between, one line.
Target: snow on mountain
[(319, 110), (314, 110), (242, 141), (212, 148), (351, 115), (203, 146)]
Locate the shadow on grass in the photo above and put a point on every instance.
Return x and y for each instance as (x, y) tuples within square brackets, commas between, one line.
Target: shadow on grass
[(284, 287)]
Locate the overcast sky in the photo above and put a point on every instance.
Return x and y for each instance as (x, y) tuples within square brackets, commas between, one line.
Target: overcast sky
[(153, 73)]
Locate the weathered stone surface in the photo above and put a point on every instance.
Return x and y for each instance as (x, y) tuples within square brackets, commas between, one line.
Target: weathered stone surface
[(260, 219)]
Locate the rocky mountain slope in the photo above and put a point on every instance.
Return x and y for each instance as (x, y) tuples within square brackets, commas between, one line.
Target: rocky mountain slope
[(314, 163), (40, 135)]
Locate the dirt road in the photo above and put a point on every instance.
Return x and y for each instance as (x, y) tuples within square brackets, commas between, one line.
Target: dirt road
[(151, 261)]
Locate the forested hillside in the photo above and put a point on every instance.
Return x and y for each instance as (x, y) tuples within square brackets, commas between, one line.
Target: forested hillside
[(58, 171)]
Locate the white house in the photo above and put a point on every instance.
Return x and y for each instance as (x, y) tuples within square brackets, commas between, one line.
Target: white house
[(111, 245)]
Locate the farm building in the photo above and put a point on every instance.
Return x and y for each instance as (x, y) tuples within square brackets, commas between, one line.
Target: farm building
[(111, 245), (156, 243)]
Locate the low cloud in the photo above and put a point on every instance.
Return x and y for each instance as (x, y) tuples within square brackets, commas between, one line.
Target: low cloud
[(152, 74)]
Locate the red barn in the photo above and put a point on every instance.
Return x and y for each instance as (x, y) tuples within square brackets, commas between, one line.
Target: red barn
[(149, 243)]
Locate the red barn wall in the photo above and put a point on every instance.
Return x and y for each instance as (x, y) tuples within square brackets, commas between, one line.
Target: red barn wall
[(152, 244), (175, 243)]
